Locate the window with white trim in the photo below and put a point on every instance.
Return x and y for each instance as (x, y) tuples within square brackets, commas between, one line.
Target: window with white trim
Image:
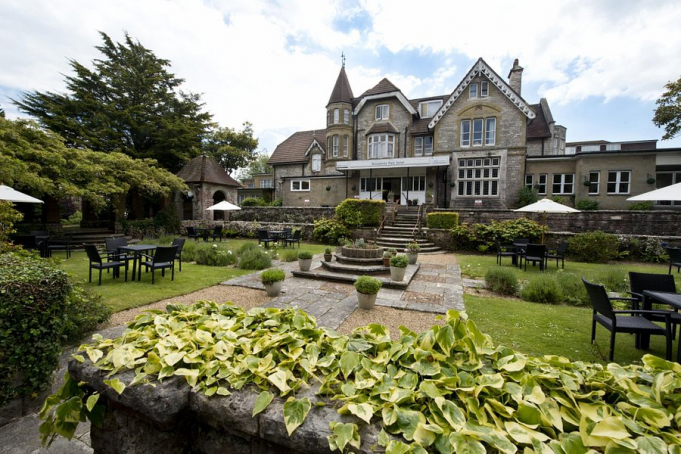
[(484, 131), (473, 90), (479, 176), (563, 183), (336, 116), (465, 133), (542, 183), (382, 112), (346, 145), (594, 182), (381, 146), (477, 132), (300, 185), (334, 153), (428, 108), (484, 89), (316, 162), (529, 181), (370, 184), (346, 116), (417, 183), (267, 183), (618, 181), (423, 146)]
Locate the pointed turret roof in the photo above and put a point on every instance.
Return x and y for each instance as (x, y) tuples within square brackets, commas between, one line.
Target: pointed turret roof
[(341, 91), (204, 169)]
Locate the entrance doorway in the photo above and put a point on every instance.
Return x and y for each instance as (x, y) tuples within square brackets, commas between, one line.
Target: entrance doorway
[(391, 189)]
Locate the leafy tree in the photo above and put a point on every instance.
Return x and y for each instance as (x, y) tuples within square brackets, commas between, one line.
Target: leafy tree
[(668, 112), (232, 149), (2, 112), (38, 161), (258, 165), (128, 103)]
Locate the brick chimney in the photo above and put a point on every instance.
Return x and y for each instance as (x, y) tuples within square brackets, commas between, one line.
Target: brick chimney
[(515, 76)]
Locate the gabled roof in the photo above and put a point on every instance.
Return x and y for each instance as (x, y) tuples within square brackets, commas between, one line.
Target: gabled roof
[(341, 91), (204, 169), (383, 90), (480, 68), (384, 86), (295, 148), (382, 127), (538, 128)]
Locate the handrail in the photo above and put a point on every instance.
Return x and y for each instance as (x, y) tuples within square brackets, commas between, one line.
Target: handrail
[(390, 211), (417, 227)]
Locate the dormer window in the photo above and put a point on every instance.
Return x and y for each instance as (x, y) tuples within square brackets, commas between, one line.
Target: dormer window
[(484, 89), (473, 90), (428, 108), (382, 112), (316, 162)]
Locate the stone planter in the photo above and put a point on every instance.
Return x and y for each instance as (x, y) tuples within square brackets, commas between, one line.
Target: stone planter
[(397, 274), (274, 288), (304, 264), (412, 256), (366, 300), (362, 253)]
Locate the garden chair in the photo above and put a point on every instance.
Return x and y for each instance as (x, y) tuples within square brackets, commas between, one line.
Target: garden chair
[(613, 321), (558, 254), (638, 282), (505, 251), (60, 244), (535, 253), (113, 254), (217, 233), (192, 233), (164, 258), (97, 263), (264, 237), (294, 239), (288, 232), (674, 258), (179, 242)]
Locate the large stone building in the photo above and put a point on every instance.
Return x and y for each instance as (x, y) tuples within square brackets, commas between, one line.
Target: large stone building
[(475, 147)]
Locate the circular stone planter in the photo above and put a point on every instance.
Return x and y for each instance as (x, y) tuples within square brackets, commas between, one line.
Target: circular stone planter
[(304, 264), (274, 288), (362, 253), (397, 274), (366, 301), (412, 256)]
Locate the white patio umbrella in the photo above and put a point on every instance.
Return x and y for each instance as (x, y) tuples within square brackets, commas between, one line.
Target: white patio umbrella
[(546, 206), (672, 193), (223, 206), (12, 195)]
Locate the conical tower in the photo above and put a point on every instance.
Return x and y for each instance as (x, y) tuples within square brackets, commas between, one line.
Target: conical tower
[(339, 143)]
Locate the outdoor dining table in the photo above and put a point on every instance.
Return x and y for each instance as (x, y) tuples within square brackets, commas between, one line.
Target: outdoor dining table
[(276, 235), (137, 251), (671, 299), (204, 232)]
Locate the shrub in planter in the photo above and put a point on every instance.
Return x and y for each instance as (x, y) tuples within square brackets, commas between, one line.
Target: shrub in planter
[(442, 220), (272, 280), (304, 255), (327, 254), (254, 260), (367, 287), (304, 260), (502, 281), (386, 257), (398, 267), (542, 289)]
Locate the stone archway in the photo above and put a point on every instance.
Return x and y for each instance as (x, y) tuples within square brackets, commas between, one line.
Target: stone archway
[(218, 197)]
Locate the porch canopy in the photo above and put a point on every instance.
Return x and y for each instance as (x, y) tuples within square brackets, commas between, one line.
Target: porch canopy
[(393, 163)]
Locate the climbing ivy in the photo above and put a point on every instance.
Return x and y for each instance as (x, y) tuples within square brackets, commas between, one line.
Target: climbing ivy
[(447, 389)]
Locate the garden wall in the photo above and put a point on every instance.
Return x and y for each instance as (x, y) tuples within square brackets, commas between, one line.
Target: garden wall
[(288, 215)]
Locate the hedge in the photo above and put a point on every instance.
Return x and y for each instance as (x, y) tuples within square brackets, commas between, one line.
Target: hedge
[(442, 220), (356, 212)]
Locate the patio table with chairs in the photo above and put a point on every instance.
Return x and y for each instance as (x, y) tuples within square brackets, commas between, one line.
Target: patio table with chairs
[(669, 298), (137, 251)]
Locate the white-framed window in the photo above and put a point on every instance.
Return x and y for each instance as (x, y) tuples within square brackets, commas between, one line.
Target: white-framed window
[(428, 108), (618, 181), (417, 183), (479, 176), (382, 112), (346, 116), (267, 183), (300, 185), (529, 181), (542, 182), (423, 146), (473, 90), (316, 162), (465, 133), (250, 186), (328, 117), (484, 89), (370, 184), (594, 182), (335, 147), (563, 183), (381, 146), (346, 145), (490, 130), (477, 132), (336, 116)]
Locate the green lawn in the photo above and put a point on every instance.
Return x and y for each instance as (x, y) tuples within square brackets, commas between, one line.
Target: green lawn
[(120, 295)]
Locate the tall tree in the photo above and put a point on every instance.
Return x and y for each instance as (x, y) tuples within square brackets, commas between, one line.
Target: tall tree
[(668, 111), (258, 165), (232, 149), (128, 102)]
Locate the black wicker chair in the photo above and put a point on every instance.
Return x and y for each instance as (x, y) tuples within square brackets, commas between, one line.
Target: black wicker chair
[(60, 244), (638, 282), (505, 251), (295, 238), (635, 323), (179, 242), (164, 258), (192, 233), (97, 263), (674, 258), (217, 233), (558, 254), (264, 237), (535, 253)]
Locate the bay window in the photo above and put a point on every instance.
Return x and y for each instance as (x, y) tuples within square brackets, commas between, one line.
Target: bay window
[(381, 146)]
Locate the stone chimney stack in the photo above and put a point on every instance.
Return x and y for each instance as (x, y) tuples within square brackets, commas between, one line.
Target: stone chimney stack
[(515, 77)]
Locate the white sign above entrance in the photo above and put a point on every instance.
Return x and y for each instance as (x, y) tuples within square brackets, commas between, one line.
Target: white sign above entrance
[(393, 163)]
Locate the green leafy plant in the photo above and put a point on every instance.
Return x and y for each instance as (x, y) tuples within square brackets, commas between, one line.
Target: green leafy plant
[(289, 255), (594, 247), (442, 220), (399, 261), (304, 255), (587, 205), (272, 275), (392, 250), (502, 281), (360, 243), (367, 285), (527, 196), (641, 206), (84, 312), (413, 247), (277, 203), (387, 254), (356, 212), (469, 237), (542, 289), (327, 250), (573, 290), (329, 231), (253, 202), (254, 260)]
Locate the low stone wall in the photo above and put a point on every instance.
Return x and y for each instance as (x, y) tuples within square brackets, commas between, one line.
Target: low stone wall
[(172, 419), (287, 215), (249, 229)]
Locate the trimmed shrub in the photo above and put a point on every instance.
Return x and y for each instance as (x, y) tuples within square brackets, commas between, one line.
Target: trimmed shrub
[(587, 205), (399, 261), (442, 220), (594, 247), (329, 231), (272, 275), (304, 255), (367, 285), (542, 289), (248, 247), (253, 202), (289, 255), (471, 237), (168, 220), (211, 255), (641, 206), (84, 312), (254, 260), (276, 203), (643, 249), (574, 292), (527, 196), (502, 281), (356, 212)]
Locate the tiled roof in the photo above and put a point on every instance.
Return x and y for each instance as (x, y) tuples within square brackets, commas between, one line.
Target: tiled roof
[(204, 169), (538, 128), (384, 86), (420, 126), (381, 127), (341, 91), (294, 148)]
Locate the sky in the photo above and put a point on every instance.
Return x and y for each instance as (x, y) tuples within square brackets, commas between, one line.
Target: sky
[(601, 64)]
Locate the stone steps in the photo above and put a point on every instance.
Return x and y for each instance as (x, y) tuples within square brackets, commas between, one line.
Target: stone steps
[(321, 273), (357, 261)]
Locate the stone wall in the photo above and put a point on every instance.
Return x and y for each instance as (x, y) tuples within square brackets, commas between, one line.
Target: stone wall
[(296, 215)]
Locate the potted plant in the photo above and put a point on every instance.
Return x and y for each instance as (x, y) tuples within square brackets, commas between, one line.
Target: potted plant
[(272, 279), (386, 257), (412, 250), (393, 251), (398, 267), (367, 289), (327, 254), (304, 260)]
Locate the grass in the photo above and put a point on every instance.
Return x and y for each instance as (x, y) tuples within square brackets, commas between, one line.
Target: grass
[(120, 295)]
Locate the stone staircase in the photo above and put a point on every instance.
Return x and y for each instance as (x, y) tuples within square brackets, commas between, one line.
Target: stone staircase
[(401, 232)]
